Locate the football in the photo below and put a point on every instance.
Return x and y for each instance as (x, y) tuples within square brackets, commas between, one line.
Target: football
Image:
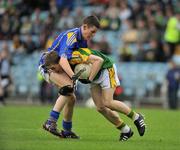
[(86, 73)]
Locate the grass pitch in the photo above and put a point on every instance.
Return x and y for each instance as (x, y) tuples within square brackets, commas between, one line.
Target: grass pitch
[(21, 130)]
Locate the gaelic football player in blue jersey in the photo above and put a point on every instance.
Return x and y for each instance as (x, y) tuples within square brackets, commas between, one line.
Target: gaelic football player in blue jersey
[(59, 72)]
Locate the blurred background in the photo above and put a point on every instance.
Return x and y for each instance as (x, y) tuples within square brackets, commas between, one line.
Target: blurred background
[(141, 36)]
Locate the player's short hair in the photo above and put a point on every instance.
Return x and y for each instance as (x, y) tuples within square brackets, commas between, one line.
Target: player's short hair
[(51, 58), (92, 21)]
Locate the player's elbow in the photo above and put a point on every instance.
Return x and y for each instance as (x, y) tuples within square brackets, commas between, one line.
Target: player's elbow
[(100, 60), (62, 61), (97, 59)]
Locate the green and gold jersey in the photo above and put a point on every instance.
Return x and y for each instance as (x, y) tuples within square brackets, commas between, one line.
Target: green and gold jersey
[(82, 54)]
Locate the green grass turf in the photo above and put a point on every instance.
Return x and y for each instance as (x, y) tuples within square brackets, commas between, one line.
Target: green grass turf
[(20, 129)]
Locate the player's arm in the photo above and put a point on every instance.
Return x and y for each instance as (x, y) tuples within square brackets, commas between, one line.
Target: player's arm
[(84, 55), (66, 66), (96, 62), (65, 52)]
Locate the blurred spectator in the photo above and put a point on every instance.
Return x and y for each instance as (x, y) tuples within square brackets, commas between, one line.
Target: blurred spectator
[(30, 45), (125, 11), (16, 46), (176, 56), (17, 49), (15, 23), (46, 90), (36, 14), (61, 4), (43, 39), (125, 52), (161, 55), (39, 14), (114, 24), (23, 8), (98, 2), (65, 21), (104, 46), (104, 21), (4, 73), (173, 78), (112, 9), (26, 27), (160, 18), (153, 31), (48, 25), (130, 33), (169, 11), (150, 52), (36, 26), (142, 32), (37, 19), (53, 7), (140, 54), (80, 14), (109, 19), (93, 44), (136, 9), (172, 33), (5, 27)]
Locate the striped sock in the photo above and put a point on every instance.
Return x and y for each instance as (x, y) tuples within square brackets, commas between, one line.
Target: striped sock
[(121, 126), (54, 115), (133, 115)]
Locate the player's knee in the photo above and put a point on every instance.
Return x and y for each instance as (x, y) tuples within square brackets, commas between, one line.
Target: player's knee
[(107, 103), (101, 109), (66, 90), (73, 97)]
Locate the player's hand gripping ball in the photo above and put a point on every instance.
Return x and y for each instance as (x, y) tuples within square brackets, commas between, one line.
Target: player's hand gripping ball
[(86, 73)]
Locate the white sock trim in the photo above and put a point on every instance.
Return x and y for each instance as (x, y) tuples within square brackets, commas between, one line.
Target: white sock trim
[(136, 116), (125, 129)]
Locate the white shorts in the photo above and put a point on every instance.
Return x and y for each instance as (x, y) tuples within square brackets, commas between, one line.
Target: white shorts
[(108, 78), (44, 74), (4, 82)]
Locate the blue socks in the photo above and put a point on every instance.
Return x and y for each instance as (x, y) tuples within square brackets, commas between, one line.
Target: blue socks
[(67, 125), (54, 115)]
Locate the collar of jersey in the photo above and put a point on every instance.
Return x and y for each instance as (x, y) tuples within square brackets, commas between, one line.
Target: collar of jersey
[(79, 34)]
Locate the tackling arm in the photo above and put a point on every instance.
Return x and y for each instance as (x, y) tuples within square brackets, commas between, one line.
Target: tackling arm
[(96, 62), (66, 66)]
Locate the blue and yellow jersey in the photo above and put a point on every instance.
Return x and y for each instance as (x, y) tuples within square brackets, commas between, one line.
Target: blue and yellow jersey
[(67, 42)]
